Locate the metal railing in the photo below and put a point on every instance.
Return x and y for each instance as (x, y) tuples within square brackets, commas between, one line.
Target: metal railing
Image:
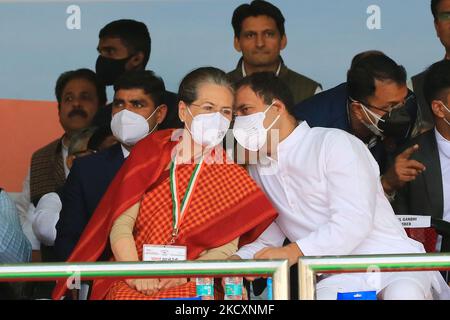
[(277, 269), (308, 267)]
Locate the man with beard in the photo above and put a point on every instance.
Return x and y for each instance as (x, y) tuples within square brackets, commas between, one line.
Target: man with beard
[(80, 95)]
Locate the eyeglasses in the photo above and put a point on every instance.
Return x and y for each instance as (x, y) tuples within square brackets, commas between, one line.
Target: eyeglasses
[(211, 108), (388, 110)]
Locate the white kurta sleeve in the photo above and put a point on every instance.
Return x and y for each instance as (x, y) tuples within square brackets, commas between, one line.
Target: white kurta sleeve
[(271, 237), (23, 201), (352, 177), (46, 217)]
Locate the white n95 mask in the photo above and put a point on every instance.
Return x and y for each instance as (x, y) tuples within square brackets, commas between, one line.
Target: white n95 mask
[(208, 129), (129, 127), (249, 130)]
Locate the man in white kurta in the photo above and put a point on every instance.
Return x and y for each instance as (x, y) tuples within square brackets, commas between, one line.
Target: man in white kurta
[(325, 185)]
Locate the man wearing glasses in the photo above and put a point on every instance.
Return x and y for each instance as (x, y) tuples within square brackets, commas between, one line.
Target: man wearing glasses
[(441, 13), (376, 106)]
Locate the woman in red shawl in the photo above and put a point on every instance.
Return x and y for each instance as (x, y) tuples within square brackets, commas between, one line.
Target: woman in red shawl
[(177, 189)]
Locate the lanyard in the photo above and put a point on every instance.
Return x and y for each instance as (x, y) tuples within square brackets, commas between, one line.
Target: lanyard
[(177, 210)]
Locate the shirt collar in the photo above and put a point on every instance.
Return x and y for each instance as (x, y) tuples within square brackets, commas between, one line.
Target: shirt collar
[(443, 144), (277, 73), (125, 152)]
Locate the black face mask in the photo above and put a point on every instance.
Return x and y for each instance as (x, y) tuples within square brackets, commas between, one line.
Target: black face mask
[(397, 123), (108, 70)]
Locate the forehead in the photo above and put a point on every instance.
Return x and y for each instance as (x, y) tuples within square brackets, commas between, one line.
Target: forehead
[(79, 85), (443, 6), (258, 23), (245, 95), (217, 94), (132, 94), (114, 42), (390, 91)]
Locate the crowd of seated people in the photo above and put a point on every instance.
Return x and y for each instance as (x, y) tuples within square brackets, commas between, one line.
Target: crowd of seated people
[(257, 163)]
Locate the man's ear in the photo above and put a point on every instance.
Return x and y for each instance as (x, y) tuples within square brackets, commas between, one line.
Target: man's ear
[(436, 27), (279, 106), (161, 114), (237, 45), (356, 110), (283, 42), (182, 111), (436, 108), (136, 60)]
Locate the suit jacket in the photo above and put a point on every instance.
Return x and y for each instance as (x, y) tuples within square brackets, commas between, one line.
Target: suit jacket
[(424, 195), (88, 180), (425, 116), (328, 109), (47, 170)]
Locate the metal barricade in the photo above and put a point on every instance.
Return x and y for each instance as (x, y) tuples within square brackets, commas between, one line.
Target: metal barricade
[(277, 269), (308, 267)]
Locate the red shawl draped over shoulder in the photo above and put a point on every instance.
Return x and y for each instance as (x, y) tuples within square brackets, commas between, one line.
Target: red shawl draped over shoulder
[(148, 159)]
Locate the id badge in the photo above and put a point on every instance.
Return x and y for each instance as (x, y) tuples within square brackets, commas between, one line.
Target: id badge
[(164, 253)]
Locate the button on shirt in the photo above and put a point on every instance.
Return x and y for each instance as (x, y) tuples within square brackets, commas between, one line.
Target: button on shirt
[(326, 188)]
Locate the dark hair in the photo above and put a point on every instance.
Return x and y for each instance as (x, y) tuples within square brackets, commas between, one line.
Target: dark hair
[(434, 5), (85, 74), (366, 68), (254, 9), (188, 90), (436, 84), (268, 86), (356, 59), (152, 85), (134, 35)]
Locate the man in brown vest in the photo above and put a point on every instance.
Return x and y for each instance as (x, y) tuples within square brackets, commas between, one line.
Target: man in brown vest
[(260, 35), (79, 96), (441, 13)]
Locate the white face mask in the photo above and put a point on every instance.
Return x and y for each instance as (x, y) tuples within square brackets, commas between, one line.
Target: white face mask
[(208, 129), (129, 127), (249, 130), (373, 126), (446, 108)]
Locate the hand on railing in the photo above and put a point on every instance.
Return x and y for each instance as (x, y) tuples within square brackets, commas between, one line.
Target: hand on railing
[(236, 257), (291, 252)]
